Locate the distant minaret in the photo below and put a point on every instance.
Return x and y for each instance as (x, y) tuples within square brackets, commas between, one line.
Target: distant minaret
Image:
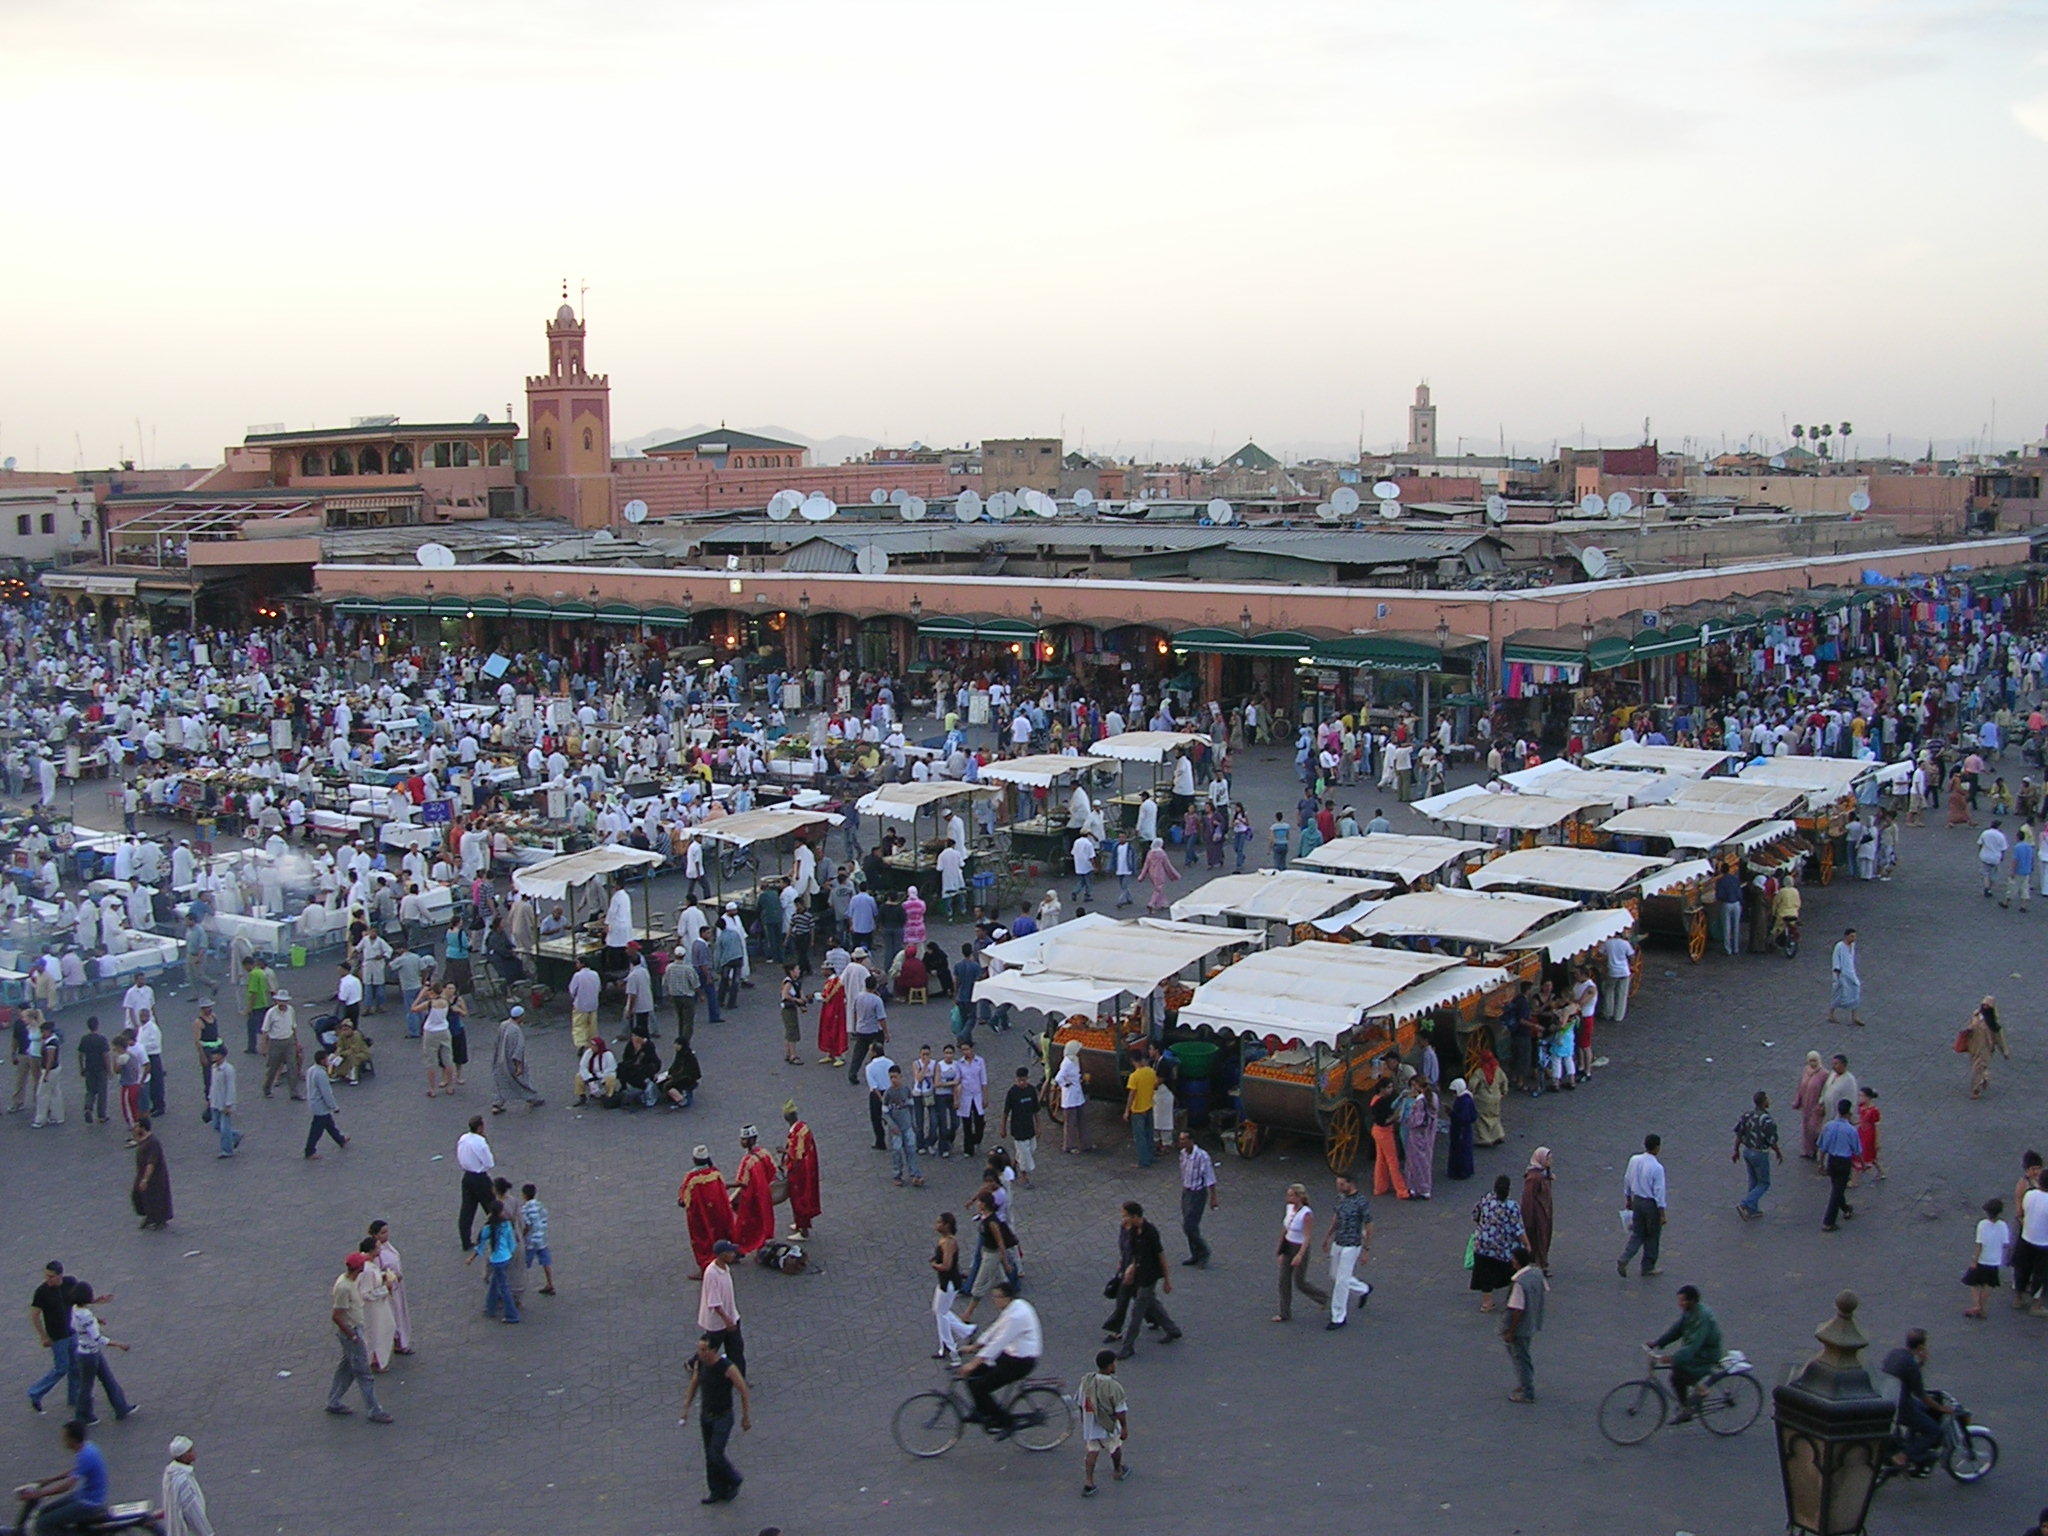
[(1422, 425), (568, 430)]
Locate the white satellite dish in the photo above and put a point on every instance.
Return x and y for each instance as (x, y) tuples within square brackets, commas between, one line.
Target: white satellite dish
[(1327, 513), (780, 507), (1390, 510), (1386, 490), (1595, 505), (1344, 500), (1040, 503), (898, 496), (872, 560), (877, 496), (1084, 497), (817, 507), (1219, 510), (967, 507), (1620, 504), (913, 509), (435, 557), (1496, 509), (1659, 499), (1594, 560), (636, 511), (1859, 501), (1000, 505)]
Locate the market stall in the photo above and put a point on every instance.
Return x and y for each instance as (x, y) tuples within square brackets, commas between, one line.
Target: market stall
[(1830, 785), (1162, 752), (1615, 787), (1281, 905), (1526, 819), (1048, 832), (1662, 895), (569, 879), (1681, 762), (749, 832), (916, 863), (1410, 863)]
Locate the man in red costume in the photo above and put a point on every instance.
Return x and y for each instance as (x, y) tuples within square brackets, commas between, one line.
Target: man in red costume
[(800, 1172), (709, 1208), (753, 1194)]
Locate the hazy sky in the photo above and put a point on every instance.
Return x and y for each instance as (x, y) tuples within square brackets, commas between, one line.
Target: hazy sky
[(1150, 222)]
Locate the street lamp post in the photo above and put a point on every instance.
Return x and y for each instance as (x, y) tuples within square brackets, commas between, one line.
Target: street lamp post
[(1244, 622), (1833, 1430)]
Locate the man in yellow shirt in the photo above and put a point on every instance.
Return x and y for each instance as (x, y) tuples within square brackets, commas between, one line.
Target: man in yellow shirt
[(1139, 1088)]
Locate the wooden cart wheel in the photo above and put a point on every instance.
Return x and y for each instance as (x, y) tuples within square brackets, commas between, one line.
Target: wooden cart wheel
[(1049, 1101), (1635, 976), (1249, 1139), (1696, 934), (1827, 863), (1340, 1142)]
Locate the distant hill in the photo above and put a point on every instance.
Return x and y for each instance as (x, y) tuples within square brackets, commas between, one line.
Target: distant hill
[(827, 450)]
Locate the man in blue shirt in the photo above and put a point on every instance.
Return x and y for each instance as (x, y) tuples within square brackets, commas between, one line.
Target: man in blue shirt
[(72, 1500), (1728, 909), (1839, 1146)]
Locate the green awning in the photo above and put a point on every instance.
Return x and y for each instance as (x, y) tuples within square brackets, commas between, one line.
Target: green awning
[(663, 617), (949, 626), (1531, 655), (489, 607), (531, 608), (390, 604), (1772, 616), (1228, 642), (1834, 605), (449, 607), (1007, 629), (1610, 651), (945, 627), (1664, 642), (571, 611), (617, 613), (1383, 653)]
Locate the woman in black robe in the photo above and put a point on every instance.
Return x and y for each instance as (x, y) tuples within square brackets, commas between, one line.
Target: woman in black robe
[(151, 1195)]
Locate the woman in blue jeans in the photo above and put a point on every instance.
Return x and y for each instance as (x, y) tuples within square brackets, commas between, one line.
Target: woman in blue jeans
[(497, 1243)]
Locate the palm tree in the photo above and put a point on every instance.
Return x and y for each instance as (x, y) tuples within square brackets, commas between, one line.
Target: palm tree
[(1824, 431), (1798, 434), (1845, 430)]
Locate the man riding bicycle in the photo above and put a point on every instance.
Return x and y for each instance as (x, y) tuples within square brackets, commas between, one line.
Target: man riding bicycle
[(1785, 906), (1920, 1411), (1698, 1336), (1007, 1352)]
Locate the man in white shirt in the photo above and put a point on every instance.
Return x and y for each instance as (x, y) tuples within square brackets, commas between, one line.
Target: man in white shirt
[(348, 993), (1847, 981), (1992, 845), (618, 925), (473, 1156), (1008, 1351), (140, 998), (149, 1039), (1148, 820), (583, 992), (1084, 868), (1616, 956), (1643, 1190)]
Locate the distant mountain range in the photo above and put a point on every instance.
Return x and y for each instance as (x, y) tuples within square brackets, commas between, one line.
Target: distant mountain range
[(824, 450)]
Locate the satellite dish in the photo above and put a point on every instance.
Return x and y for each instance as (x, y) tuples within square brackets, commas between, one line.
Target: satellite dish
[(1344, 500), (1594, 505), (1221, 511), (877, 496), (872, 560), (1137, 506), (816, 508), (8, 463), (1594, 560), (967, 507), (1082, 498), (1386, 490), (780, 506), (898, 496), (732, 562), (913, 509), (1326, 512), (1496, 509), (602, 536), (636, 511), (435, 557), (1390, 510), (1000, 505), (1040, 503), (1859, 501), (1659, 499), (1620, 504)]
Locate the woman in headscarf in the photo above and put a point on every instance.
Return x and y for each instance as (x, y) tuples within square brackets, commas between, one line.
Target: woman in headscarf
[(1421, 1155), (913, 920), (1959, 801), (1982, 1037), (1464, 1114), (394, 1273), (1806, 1099), (151, 1195), (832, 1023), (1537, 1207), (1489, 1087), (1073, 1094), (1497, 1233), (380, 1321), (1158, 872)]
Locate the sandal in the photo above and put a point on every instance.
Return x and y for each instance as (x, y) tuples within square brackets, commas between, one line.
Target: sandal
[(1486, 1305)]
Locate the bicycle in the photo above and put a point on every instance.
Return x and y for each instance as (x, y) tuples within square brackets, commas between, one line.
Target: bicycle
[(1727, 1402), (929, 1424)]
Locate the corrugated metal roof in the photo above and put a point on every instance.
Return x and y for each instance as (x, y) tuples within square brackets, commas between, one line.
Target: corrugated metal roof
[(1362, 547)]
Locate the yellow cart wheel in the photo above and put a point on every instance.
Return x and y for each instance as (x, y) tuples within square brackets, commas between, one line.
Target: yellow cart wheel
[(1696, 934), (1340, 1143), (1249, 1139), (1827, 863)]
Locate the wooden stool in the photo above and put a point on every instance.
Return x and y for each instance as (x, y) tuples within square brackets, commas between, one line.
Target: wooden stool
[(916, 995)]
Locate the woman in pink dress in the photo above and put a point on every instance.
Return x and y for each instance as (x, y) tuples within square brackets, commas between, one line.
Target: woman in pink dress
[(1807, 1101), (1421, 1128), (913, 920), (394, 1274), (1158, 872)]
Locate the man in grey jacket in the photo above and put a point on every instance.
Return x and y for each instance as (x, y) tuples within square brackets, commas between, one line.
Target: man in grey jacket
[(508, 1064), (220, 1099), (320, 1100)]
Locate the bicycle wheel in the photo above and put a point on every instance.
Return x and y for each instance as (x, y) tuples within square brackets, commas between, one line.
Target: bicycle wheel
[(927, 1424), (1730, 1405), (1633, 1412), (1974, 1455), (1044, 1421)]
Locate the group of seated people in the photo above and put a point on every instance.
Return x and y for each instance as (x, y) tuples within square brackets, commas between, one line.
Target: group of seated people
[(634, 1078)]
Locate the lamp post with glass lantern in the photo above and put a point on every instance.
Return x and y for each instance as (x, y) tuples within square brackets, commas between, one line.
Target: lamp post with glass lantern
[(1834, 1428)]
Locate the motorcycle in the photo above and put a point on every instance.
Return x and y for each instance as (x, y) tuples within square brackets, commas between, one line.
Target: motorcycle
[(1966, 1451), (1786, 936), (138, 1516)]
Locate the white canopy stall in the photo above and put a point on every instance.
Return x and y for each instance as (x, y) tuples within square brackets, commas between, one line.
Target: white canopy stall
[(1525, 815), (1492, 920), (1045, 835), (1408, 861), (567, 877), (749, 829), (1611, 786), (918, 863), (1685, 762), (1154, 747), (1278, 898)]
